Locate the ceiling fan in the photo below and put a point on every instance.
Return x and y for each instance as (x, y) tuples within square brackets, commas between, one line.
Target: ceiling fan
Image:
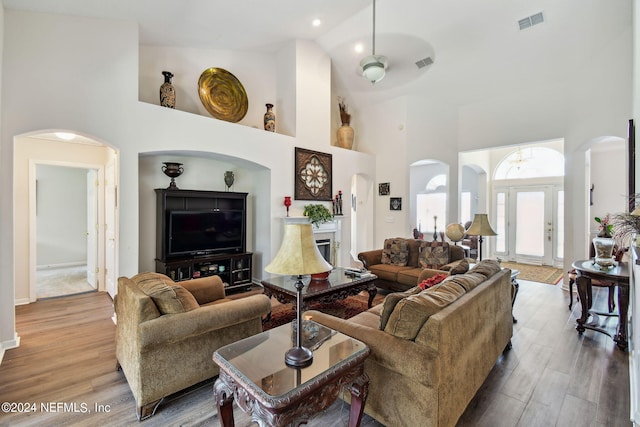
[(373, 66)]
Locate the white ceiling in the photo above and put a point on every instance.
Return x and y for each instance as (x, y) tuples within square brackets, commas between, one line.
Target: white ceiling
[(476, 46)]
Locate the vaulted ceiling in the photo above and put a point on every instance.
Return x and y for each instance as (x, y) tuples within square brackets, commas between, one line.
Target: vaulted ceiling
[(477, 47)]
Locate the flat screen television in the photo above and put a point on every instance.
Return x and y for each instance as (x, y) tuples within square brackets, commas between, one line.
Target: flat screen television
[(205, 232)]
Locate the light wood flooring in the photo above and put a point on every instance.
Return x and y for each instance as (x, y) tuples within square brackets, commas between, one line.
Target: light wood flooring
[(551, 377)]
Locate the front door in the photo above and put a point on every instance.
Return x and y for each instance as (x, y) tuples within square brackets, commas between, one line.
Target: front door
[(530, 225)]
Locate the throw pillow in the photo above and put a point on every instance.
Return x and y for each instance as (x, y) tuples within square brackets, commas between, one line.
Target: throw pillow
[(390, 302), (487, 267), (412, 312), (433, 254), (461, 268), (395, 252), (433, 280), (169, 297)]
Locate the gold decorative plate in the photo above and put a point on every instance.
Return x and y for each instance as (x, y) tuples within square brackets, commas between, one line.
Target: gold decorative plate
[(222, 95)]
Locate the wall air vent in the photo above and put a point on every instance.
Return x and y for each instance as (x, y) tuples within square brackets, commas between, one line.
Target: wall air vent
[(424, 62), (530, 21)]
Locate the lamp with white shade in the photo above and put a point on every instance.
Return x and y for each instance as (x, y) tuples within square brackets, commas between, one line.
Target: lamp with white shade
[(299, 256), (480, 227)]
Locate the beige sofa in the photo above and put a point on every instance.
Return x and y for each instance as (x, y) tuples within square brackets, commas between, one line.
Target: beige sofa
[(436, 347), (167, 332), (401, 273)]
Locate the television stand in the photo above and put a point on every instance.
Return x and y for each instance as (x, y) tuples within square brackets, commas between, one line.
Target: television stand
[(234, 269)]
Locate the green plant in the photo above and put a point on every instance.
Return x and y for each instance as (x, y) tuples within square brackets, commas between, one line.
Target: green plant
[(317, 214), (606, 228), (626, 226)]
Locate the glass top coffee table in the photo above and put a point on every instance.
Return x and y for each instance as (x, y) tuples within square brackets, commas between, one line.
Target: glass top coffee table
[(253, 371), (337, 286)]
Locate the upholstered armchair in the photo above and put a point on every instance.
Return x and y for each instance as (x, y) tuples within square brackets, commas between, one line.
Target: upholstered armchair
[(167, 332)]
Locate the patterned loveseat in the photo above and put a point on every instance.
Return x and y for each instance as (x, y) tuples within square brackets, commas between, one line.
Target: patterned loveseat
[(401, 261)]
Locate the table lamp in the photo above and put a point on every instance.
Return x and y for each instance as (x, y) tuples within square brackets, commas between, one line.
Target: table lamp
[(298, 255), (480, 227)]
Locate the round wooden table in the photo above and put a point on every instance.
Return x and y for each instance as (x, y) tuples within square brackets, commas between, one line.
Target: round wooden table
[(619, 277)]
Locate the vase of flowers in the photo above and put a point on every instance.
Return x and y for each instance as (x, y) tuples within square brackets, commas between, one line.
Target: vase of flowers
[(605, 227)]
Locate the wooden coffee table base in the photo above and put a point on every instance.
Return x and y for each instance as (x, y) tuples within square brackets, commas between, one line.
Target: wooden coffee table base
[(297, 407)]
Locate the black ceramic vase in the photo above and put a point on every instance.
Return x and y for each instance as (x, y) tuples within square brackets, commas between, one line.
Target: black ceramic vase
[(167, 91)]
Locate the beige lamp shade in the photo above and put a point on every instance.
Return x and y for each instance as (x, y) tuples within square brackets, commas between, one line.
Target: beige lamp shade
[(636, 211), (481, 226), (298, 254)]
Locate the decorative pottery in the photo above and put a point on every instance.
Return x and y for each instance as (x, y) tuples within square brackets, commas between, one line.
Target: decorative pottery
[(270, 119), (228, 179), (345, 137), (222, 95), (172, 170), (167, 91), (604, 252), (345, 132)]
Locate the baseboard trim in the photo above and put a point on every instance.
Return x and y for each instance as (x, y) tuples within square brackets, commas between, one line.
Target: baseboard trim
[(7, 345), (22, 301)]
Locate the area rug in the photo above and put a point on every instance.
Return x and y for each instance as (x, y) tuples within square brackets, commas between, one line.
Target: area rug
[(345, 309), (536, 273)]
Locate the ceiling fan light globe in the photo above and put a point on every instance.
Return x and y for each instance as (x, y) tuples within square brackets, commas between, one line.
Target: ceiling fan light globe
[(373, 68)]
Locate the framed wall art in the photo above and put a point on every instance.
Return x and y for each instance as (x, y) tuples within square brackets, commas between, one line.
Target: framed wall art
[(384, 189), (312, 175), (395, 203)]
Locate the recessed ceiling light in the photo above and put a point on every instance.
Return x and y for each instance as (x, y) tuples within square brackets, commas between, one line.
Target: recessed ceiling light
[(358, 48), (316, 22), (65, 135)]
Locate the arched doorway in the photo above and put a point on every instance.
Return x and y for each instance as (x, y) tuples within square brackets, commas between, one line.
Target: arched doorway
[(93, 158), (529, 206)]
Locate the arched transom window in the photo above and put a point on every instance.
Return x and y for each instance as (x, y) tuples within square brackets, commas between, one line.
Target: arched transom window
[(531, 162)]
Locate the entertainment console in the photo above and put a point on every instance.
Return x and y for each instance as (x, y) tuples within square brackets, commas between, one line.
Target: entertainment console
[(203, 233)]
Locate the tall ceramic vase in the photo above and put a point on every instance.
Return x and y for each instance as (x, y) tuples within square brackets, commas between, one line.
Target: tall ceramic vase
[(270, 119), (167, 91), (345, 136)]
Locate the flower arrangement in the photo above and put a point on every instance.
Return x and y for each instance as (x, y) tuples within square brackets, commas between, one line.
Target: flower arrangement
[(317, 214), (606, 227), (345, 117)]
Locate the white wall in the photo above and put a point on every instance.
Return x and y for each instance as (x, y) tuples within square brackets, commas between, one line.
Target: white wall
[(90, 85), (579, 97), (61, 215)]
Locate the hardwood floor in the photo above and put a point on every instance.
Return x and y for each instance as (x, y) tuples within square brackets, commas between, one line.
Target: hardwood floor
[(551, 377)]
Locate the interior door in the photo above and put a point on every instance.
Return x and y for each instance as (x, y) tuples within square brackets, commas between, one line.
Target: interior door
[(92, 227)]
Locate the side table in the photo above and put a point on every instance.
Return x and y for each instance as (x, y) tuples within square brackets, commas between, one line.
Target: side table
[(586, 270), (253, 372)]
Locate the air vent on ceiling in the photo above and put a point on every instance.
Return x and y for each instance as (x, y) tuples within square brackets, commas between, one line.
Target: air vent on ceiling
[(424, 62), (530, 21)]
